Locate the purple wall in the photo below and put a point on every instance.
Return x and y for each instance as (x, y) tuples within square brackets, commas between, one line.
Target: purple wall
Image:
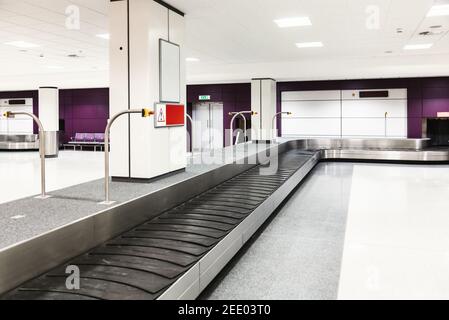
[(83, 110), (235, 97)]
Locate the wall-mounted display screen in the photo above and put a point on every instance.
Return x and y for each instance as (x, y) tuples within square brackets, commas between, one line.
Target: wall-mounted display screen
[(170, 71)]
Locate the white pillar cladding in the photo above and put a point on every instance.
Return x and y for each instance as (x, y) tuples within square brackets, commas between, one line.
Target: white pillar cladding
[(138, 149), (263, 101), (49, 116)]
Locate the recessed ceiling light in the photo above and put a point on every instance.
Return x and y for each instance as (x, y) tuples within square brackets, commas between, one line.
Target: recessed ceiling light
[(104, 36), (439, 10), (418, 46), (317, 44), (192, 59), (22, 44), (293, 22)]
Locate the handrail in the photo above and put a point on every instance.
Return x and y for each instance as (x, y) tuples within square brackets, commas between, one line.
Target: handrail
[(10, 114), (274, 121), (191, 125), (145, 114), (236, 114)]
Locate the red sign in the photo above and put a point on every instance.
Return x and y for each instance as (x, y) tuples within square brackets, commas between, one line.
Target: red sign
[(175, 115)]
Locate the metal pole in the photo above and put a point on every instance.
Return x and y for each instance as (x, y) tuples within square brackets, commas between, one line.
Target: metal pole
[(386, 115), (10, 114), (274, 122), (145, 113)]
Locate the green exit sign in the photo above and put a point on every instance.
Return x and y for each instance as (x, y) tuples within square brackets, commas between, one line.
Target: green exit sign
[(204, 98)]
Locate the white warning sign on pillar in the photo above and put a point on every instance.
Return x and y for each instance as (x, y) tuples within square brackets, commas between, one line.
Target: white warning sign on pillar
[(161, 115)]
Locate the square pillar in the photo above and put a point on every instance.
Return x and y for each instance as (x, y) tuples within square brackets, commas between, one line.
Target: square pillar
[(263, 101), (139, 150), (49, 116)]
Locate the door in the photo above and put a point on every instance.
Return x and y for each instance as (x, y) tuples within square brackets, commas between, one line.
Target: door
[(216, 125), (207, 126)]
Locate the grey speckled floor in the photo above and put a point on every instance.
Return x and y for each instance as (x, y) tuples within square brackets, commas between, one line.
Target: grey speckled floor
[(27, 218), (298, 254)]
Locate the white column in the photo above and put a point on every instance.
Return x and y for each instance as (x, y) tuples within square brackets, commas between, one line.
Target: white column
[(138, 149), (49, 116), (263, 101)]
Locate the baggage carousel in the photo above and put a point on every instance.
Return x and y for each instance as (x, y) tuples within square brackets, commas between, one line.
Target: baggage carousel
[(177, 253), (19, 142)]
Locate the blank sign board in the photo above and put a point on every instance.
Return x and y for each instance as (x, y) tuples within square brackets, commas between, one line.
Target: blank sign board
[(170, 71)]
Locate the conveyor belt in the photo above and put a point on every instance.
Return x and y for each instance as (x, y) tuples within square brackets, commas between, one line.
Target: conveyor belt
[(144, 262)]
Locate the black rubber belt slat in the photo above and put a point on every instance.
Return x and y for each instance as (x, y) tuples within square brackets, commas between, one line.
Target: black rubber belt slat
[(239, 200), (254, 182), (271, 182), (95, 288), (169, 235), (142, 280), (237, 195), (230, 193), (203, 217), (243, 190), (162, 268), (245, 186), (232, 215), (143, 262), (185, 229), (46, 295), (177, 258), (228, 203), (211, 207), (197, 223), (176, 246)]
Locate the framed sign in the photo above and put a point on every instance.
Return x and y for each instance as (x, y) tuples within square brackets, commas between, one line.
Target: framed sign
[(169, 72), (169, 115)]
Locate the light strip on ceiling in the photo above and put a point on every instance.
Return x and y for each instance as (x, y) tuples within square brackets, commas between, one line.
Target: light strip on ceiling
[(293, 22), (317, 44), (22, 44), (439, 10), (418, 46)]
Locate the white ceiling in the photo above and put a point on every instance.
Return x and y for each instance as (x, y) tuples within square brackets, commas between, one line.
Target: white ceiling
[(43, 22), (235, 40)]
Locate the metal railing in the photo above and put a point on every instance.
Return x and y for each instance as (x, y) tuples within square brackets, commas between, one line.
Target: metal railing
[(10, 114), (235, 115), (273, 126), (145, 114), (191, 126)]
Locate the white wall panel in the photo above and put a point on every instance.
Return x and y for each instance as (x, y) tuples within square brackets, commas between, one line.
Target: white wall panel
[(315, 113), (397, 127), (311, 95), (374, 108), (363, 127), (310, 127), (316, 109)]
